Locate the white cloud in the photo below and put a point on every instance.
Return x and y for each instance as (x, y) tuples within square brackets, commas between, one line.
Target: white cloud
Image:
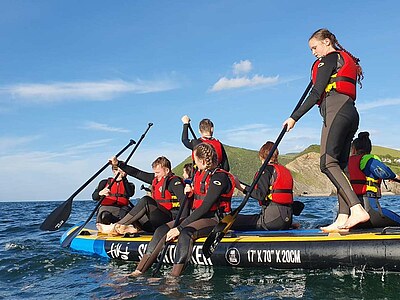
[(242, 82), (364, 106), (8, 143), (103, 127), (102, 90), (244, 66)]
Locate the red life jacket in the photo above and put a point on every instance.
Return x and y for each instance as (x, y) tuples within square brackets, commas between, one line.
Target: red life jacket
[(344, 81), (161, 194), (217, 146), (201, 183), (362, 184), (117, 194), (281, 191)]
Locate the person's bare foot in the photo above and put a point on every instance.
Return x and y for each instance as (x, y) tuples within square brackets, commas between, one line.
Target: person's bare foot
[(122, 229), (107, 229), (135, 273), (357, 215), (333, 228)]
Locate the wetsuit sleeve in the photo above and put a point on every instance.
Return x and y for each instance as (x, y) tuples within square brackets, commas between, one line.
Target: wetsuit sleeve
[(134, 172), (219, 184), (185, 137), (129, 187), (377, 169), (225, 162), (262, 189), (102, 185), (328, 66), (176, 187)]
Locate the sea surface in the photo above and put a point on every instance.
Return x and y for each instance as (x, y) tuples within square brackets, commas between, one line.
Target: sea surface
[(34, 266)]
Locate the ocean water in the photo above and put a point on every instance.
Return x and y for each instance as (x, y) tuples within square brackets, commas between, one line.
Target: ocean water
[(34, 266)]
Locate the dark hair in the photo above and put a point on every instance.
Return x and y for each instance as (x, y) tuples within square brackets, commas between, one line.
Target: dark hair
[(206, 125), (362, 144), (265, 149), (324, 33), (188, 168)]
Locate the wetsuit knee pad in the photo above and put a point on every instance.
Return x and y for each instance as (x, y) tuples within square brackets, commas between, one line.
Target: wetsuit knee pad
[(106, 217), (322, 164)]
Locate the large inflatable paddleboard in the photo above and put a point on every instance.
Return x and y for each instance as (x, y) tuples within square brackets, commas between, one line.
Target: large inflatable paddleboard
[(307, 248)]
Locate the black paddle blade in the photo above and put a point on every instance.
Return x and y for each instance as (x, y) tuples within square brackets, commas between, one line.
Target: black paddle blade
[(57, 217), (217, 234), (68, 239)]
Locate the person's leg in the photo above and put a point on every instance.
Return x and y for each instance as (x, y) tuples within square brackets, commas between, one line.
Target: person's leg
[(147, 214), (153, 249), (246, 222), (184, 246), (277, 217), (340, 125)]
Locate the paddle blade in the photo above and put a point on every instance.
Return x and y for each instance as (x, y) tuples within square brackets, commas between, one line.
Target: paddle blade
[(217, 234), (57, 217), (68, 239)]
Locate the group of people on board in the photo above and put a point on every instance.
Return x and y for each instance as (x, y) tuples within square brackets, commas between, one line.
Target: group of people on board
[(204, 193)]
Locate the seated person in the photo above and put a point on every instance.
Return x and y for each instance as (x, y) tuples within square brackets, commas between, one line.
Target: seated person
[(274, 192), (212, 190), (152, 211), (115, 203), (366, 174)]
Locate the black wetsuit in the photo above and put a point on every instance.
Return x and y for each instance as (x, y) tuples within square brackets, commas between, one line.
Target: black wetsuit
[(198, 224), (273, 216), (190, 144), (108, 214), (148, 214), (340, 123)]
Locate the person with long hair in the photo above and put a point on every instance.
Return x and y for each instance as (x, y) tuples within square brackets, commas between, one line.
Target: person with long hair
[(212, 191), (366, 172), (274, 193), (335, 74)]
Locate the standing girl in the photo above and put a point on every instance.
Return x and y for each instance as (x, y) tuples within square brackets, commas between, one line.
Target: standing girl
[(335, 74)]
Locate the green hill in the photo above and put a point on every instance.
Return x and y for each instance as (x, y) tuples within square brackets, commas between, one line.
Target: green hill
[(245, 163)]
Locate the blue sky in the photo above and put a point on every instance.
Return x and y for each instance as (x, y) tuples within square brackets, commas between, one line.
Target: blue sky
[(81, 78)]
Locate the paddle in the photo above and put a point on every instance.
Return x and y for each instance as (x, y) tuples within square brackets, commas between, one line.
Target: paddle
[(60, 214), (67, 241), (395, 180), (226, 223), (176, 223), (192, 132)]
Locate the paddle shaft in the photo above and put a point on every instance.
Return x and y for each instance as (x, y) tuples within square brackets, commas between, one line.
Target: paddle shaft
[(67, 241), (192, 132), (131, 142), (268, 158), (226, 223), (395, 180), (176, 223), (61, 213)]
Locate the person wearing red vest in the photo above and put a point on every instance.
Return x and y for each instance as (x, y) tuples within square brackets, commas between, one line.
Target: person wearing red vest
[(150, 212), (206, 129), (334, 77), (366, 173), (274, 192), (212, 191), (115, 204)]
